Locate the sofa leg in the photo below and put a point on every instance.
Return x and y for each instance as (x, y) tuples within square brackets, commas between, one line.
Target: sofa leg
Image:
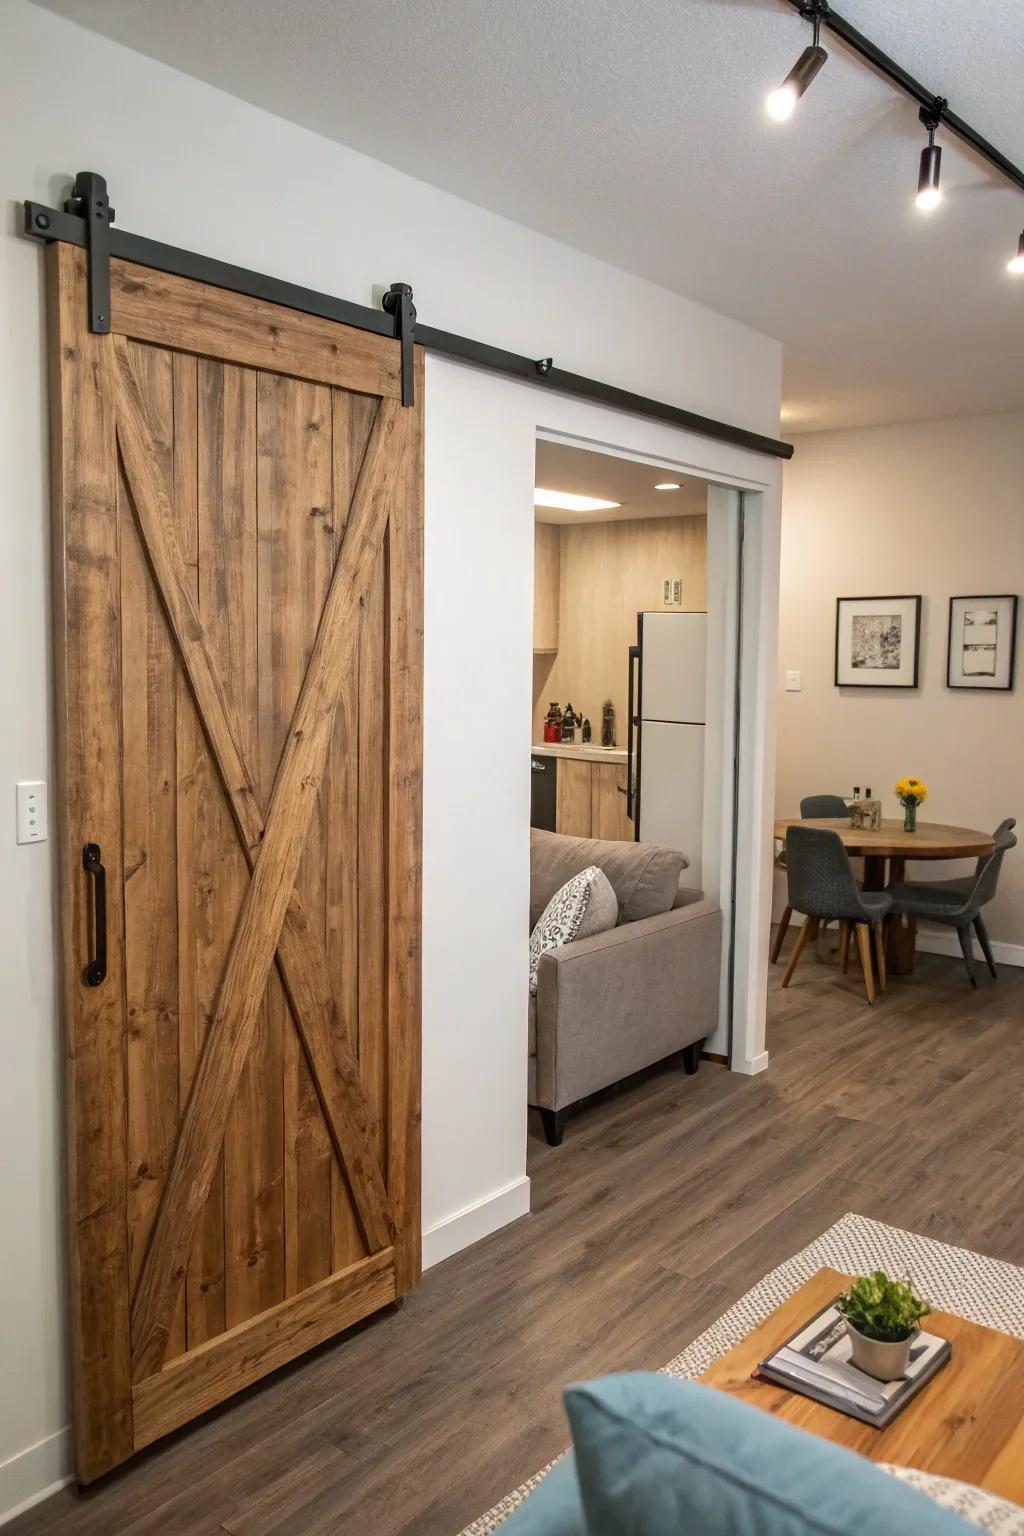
[(554, 1125), (691, 1057)]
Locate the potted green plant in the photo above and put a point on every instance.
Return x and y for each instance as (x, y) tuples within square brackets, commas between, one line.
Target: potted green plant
[(882, 1317)]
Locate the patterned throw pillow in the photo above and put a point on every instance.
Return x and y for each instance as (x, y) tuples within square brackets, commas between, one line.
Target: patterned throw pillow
[(583, 906), (976, 1505)]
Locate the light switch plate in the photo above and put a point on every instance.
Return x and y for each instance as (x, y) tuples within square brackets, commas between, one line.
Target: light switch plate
[(32, 819), (794, 682)]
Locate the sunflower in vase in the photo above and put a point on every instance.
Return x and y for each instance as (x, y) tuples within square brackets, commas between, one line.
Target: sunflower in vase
[(911, 792)]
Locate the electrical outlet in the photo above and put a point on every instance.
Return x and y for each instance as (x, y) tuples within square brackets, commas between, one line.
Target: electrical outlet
[(666, 592), (31, 802), (677, 591)]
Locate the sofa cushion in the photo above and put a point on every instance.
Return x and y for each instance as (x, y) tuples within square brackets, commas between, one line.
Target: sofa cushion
[(644, 876), (581, 908), (656, 1456)]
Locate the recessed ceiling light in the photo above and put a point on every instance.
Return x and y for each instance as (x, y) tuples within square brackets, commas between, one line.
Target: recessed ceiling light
[(567, 501), (668, 485)]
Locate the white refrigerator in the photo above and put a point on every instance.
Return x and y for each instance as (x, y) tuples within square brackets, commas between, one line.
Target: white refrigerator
[(667, 687)]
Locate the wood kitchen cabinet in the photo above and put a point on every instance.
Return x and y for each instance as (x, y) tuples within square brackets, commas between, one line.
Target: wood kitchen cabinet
[(547, 566), (572, 802), (591, 800), (608, 817)]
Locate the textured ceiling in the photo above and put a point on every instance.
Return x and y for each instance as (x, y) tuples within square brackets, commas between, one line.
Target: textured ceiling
[(635, 130)]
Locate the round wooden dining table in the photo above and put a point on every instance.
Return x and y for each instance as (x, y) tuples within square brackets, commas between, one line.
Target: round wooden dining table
[(885, 851)]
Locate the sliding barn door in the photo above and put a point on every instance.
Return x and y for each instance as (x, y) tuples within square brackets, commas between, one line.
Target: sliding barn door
[(237, 495)]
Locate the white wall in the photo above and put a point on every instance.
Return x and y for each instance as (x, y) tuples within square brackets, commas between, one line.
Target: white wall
[(933, 507), (192, 166)]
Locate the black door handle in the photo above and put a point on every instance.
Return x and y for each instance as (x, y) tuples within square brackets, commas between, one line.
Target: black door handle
[(96, 971), (634, 657)]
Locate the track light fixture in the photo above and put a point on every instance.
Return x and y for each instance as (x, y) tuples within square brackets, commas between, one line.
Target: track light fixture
[(935, 110), (929, 192), (781, 104)]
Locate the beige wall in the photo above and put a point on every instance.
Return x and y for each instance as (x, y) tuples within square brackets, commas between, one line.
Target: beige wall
[(930, 507), (609, 572)]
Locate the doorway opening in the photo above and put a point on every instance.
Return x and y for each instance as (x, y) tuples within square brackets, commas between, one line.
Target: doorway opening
[(634, 669)]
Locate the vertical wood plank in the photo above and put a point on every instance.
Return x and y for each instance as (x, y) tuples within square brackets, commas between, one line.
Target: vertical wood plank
[(184, 478), (404, 852), (296, 560), (353, 417), (374, 715), (149, 779), (252, 1228), (83, 488)]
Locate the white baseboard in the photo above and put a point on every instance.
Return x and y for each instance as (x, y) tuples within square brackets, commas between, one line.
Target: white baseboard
[(473, 1222), (933, 941), (943, 941), (33, 1474), (462, 1228), (752, 1068)]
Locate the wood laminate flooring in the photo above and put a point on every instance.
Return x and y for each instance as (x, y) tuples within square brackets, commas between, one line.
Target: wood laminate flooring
[(668, 1198)]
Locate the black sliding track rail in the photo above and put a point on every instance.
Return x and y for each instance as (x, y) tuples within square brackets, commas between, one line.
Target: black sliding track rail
[(75, 226), (931, 100)]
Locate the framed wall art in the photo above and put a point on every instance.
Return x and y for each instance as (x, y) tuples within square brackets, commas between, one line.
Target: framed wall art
[(982, 642), (877, 641)]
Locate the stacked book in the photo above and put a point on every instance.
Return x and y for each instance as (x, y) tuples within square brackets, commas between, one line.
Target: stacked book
[(817, 1362)]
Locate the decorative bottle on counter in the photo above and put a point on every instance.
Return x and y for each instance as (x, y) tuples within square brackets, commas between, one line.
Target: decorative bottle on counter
[(570, 720), (585, 733), (553, 723), (608, 724)]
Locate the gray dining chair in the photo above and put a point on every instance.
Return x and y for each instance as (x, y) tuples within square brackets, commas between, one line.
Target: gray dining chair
[(822, 887), (812, 808), (958, 903), (817, 807)]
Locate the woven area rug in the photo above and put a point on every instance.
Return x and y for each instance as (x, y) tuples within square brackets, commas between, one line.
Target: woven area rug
[(984, 1291)]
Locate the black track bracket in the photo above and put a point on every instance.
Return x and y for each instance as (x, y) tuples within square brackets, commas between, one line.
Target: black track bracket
[(89, 201), (398, 303)]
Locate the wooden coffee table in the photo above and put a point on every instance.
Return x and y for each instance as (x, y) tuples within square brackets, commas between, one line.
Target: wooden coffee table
[(968, 1422)]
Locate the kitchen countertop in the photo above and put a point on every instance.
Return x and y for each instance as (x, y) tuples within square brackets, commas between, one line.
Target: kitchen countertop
[(591, 752)]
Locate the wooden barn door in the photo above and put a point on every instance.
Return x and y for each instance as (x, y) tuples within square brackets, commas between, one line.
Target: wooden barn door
[(237, 496)]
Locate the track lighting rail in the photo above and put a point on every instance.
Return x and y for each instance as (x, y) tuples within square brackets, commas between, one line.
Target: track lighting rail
[(823, 14)]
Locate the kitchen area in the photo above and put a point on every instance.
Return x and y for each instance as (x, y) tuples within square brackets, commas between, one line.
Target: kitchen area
[(619, 649)]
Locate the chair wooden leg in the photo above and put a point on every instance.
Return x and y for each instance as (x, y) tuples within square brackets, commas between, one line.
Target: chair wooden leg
[(780, 934), (964, 935), (986, 947), (864, 945), (807, 932), (844, 945), (880, 952)]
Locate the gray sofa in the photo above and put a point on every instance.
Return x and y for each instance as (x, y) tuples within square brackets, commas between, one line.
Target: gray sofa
[(609, 1005)]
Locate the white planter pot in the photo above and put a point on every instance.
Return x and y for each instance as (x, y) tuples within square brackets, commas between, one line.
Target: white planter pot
[(886, 1362)]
